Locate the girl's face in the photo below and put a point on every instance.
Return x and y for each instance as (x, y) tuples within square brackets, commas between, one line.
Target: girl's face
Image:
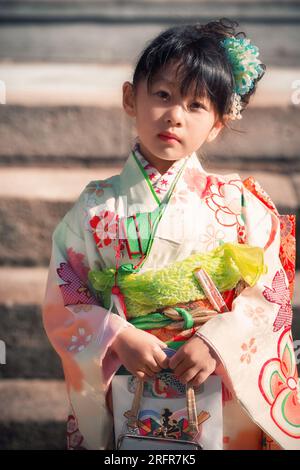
[(163, 110)]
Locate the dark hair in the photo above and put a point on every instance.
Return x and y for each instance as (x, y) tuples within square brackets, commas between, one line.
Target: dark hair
[(202, 61)]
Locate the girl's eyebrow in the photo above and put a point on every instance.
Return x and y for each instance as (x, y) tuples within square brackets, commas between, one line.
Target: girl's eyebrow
[(163, 79)]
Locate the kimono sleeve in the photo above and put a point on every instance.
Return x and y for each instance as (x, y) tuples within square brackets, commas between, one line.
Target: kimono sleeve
[(81, 331), (253, 340)]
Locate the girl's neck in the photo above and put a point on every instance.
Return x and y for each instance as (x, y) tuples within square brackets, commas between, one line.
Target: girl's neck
[(161, 165)]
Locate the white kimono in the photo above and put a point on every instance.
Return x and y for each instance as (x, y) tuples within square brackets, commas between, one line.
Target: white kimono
[(253, 340)]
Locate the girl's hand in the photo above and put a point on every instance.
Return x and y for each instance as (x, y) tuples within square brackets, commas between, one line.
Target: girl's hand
[(140, 352), (193, 362)]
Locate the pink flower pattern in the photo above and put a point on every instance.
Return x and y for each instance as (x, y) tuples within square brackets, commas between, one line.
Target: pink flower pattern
[(80, 341), (248, 349), (74, 437), (257, 315), (197, 182), (280, 294), (76, 261), (74, 291)]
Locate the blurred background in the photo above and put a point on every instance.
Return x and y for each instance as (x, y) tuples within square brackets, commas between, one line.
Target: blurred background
[(62, 65)]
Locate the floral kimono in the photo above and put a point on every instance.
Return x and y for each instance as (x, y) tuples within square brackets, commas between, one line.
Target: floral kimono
[(146, 220)]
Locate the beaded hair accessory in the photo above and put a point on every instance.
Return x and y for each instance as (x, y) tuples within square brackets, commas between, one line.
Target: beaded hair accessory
[(243, 57)]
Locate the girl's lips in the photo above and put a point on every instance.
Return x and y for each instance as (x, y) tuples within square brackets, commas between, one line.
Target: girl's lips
[(167, 138)]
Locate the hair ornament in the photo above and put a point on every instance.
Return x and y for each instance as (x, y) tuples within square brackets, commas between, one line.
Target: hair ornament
[(236, 107), (246, 67)]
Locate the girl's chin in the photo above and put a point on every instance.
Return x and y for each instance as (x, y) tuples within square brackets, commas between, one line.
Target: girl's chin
[(163, 152), (168, 158), (167, 152)]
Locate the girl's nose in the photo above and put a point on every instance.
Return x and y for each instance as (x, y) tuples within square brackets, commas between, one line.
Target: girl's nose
[(174, 116)]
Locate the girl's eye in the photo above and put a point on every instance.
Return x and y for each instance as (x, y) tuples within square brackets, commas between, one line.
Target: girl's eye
[(162, 94), (197, 105)]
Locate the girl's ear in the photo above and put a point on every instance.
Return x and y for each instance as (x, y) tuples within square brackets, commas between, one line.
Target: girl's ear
[(215, 131), (129, 99)]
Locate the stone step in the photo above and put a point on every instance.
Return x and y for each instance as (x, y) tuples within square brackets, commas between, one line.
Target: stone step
[(29, 353), (33, 201), (145, 10), (267, 139), (63, 136), (65, 185), (100, 85), (79, 84), (53, 184), (98, 40), (33, 414)]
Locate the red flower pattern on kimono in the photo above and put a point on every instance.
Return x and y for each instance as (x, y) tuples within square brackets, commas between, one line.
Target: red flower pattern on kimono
[(288, 247), (278, 383), (227, 214), (74, 291), (280, 294), (253, 185), (288, 237), (105, 227)]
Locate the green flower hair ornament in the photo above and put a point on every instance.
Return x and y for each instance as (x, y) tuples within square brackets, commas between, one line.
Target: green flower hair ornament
[(243, 57)]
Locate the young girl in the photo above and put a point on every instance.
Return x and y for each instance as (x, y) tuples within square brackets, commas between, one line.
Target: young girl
[(112, 275)]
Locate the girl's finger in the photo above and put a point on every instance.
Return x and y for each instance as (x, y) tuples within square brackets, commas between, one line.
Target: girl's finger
[(148, 369), (153, 366), (188, 375), (200, 378), (160, 344), (161, 359), (176, 359), (143, 375), (182, 367)]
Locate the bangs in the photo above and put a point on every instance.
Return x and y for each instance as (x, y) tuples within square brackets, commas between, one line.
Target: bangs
[(193, 75), (197, 76), (200, 67)]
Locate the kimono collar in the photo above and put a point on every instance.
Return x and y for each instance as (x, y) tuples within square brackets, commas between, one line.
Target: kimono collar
[(161, 183), (138, 192)]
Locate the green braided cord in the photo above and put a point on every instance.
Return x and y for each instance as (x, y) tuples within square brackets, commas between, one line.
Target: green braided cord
[(151, 321), (187, 317), (175, 344), (152, 290), (156, 320)]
